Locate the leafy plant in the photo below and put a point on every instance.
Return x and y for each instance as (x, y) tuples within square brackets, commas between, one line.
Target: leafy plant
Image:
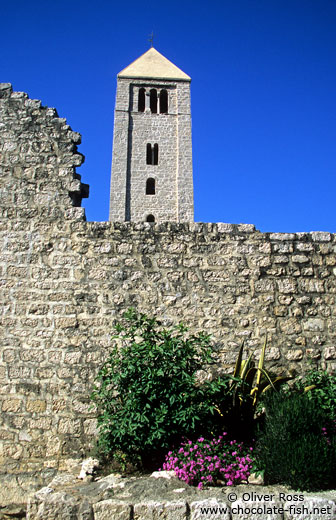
[(147, 393), (248, 384), (207, 462), (321, 388), (292, 447)]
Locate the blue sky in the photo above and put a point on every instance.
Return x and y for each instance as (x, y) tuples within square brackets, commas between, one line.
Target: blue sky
[(263, 95)]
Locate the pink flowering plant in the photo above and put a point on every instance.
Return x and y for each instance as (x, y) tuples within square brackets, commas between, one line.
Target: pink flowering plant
[(203, 463)]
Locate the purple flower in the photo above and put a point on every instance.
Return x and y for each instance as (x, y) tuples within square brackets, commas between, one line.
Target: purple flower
[(201, 465)]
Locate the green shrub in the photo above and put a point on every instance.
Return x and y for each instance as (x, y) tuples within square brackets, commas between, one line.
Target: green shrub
[(292, 447), (322, 390), (147, 394)]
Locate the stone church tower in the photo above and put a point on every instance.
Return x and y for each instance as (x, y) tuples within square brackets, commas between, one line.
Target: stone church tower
[(152, 158)]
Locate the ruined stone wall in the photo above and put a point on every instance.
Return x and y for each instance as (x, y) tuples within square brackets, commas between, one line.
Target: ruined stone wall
[(64, 282)]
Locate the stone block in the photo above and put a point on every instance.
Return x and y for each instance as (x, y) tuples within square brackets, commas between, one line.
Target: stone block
[(330, 353), (256, 480), (164, 474), (112, 510), (282, 236), (5, 90), (11, 405), (300, 259), (155, 510), (47, 505), (314, 324), (303, 246), (320, 236), (69, 425), (314, 353), (311, 508), (281, 259), (272, 354), (311, 286), (287, 286), (221, 226), (294, 355), (36, 405), (290, 326), (246, 228), (209, 508), (264, 286), (280, 310)]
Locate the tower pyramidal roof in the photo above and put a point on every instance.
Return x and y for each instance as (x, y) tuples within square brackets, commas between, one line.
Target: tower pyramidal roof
[(152, 64)]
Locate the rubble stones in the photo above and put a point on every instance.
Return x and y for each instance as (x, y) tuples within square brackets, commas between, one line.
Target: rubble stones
[(89, 466), (148, 498)]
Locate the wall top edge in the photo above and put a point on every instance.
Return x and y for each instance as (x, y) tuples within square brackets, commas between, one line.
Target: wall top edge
[(208, 227)]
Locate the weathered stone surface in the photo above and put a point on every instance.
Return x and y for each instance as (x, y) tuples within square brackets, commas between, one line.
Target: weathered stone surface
[(64, 282), (13, 511), (47, 505), (147, 498), (312, 508), (154, 510), (217, 509), (330, 353), (163, 474), (321, 236), (256, 480), (16, 486), (89, 466), (112, 510)]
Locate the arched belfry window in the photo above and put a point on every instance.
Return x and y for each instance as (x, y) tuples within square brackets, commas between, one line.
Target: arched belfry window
[(152, 154), (150, 218), (141, 100), (153, 100), (150, 186), (163, 101)]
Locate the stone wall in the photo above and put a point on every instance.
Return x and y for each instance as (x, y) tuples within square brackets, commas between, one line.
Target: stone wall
[(64, 282)]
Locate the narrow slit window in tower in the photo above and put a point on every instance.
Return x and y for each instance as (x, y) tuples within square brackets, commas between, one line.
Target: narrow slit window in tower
[(153, 100), (150, 186), (141, 100), (163, 101), (152, 154), (156, 154), (149, 155), (150, 218)]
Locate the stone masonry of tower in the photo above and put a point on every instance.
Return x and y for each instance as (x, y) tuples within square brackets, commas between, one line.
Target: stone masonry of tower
[(140, 124)]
